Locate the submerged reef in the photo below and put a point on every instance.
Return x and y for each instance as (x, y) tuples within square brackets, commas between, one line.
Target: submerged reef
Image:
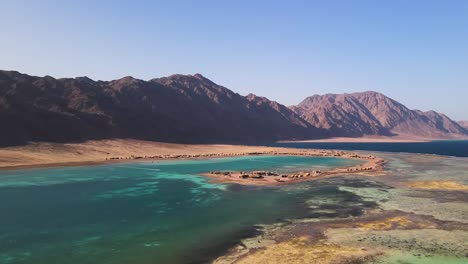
[(415, 217)]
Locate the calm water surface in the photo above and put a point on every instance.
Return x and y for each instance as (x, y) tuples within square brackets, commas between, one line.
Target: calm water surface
[(152, 212), (456, 148)]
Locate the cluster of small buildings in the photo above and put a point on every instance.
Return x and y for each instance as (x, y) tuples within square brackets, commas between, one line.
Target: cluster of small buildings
[(360, 169), (245, 175), (263, 174)]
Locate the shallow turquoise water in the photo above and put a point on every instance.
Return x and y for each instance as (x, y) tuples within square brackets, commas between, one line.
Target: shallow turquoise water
[(160, 212)]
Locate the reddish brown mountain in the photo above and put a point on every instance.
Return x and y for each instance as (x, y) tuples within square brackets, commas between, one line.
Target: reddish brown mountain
[(372, 113), (179, 108), (463, 124), (191, 108)]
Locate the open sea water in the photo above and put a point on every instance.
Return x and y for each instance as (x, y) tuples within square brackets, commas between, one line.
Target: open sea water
[(456, 148)]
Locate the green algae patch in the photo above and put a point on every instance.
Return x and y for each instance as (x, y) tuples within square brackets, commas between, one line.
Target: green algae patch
[(437, 185), (391, 223), (430, 243), (406, 258)]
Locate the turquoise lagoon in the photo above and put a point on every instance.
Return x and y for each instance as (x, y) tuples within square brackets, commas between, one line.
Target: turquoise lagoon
[(149, 212)]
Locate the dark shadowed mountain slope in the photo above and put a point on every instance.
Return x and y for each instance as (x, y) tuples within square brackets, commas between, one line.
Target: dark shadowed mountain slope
[(372, 113), (179, 108)]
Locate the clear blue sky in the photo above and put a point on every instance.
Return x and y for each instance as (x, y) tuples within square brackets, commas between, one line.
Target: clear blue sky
[(413, 51)]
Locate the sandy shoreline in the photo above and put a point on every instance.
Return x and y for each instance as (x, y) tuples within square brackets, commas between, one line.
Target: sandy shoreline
[(106, 151), (41, 155), (111, 151)]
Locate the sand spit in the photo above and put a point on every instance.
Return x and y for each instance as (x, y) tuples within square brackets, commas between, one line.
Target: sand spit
[(107, 151), (371, 166)]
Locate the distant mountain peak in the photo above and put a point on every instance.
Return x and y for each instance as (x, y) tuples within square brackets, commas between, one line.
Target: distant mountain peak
[(84, 79), (127, 79), (251, 96), (184, 78), (370, 93), (126, 82), (373, 113), (199, 76)]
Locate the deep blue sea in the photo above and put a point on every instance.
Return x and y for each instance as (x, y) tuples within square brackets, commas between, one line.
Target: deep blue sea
[(456, 148)]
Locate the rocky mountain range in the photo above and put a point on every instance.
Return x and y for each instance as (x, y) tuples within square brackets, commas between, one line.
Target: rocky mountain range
[(372, 113), (192, 109), (178, 108)]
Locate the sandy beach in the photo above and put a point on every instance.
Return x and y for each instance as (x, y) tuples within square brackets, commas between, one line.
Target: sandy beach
[(102, 151)]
